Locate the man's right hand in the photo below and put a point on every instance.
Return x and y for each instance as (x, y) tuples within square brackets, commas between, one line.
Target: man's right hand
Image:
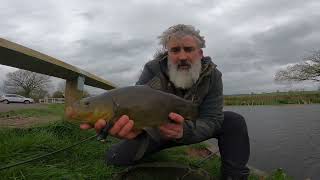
[(122, 128)]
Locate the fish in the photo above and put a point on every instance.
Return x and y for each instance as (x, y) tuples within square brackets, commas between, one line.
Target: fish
[(147, 107)]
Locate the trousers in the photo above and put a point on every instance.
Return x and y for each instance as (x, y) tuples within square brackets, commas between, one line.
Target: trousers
[(233, 142)]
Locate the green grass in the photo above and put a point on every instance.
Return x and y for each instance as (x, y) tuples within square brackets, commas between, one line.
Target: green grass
[(85, 161), (312, 97), (50, 110), (81, 162)]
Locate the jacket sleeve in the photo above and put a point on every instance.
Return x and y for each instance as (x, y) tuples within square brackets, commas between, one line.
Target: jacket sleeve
[(146, 75), (210, 114)]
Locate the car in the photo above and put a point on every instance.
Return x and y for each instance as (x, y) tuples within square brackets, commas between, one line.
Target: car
[(8, 98)]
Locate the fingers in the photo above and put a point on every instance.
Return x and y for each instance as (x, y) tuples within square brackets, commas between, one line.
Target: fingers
[(172, 126), (123, 120), (168, 131), (171, 133), (122, 128), (125, 130), (100, 124), (176, 118)]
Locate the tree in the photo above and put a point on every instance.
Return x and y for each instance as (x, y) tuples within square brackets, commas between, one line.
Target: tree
[(27, 83), (58, 94), (309, 69), (61, 86)]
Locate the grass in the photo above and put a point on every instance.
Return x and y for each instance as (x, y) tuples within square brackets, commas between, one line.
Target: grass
[(81, 162), (312, 97), (85, 161), (52, 110), (24, 118)]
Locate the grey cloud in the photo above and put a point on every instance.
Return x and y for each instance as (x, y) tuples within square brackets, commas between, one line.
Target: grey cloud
[(111, 48), (112, 57), (248, 40), (282, 45)]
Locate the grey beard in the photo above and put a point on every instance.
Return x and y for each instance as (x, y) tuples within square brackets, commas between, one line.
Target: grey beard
[(184, 78)]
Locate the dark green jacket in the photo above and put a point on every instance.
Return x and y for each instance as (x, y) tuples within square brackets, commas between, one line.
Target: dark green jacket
[(207, 92)]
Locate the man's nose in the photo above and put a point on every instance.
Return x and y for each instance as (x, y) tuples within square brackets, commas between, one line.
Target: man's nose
[(182, 55)]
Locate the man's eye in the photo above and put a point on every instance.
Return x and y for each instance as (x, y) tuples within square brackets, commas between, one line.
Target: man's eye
[(175, 49), (188, 49)]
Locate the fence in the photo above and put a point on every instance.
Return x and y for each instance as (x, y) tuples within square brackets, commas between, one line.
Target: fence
[(51, 101)]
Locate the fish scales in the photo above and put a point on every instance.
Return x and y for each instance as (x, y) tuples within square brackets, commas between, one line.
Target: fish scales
[(147, 107)]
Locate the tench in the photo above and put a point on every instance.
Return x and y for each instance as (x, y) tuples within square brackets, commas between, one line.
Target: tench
[(147, 107)]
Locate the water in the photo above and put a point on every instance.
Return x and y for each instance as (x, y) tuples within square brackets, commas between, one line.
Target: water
[(285, 137)]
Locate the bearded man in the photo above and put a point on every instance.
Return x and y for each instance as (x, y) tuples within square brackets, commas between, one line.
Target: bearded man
[(181, 69)]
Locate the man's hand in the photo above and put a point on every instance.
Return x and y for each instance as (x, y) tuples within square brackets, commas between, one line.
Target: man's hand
[(173, 130), (122, 128)]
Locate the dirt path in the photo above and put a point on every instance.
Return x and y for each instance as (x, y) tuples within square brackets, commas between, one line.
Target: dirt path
[(25, 122), (21, 121)]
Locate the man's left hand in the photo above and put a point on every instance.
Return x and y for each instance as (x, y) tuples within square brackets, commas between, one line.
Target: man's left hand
[(173, 130)]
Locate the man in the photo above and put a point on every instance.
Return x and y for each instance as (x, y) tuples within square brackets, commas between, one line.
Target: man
[(181, 69)]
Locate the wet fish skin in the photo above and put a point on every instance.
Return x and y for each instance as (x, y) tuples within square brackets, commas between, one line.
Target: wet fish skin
[(147, 107)]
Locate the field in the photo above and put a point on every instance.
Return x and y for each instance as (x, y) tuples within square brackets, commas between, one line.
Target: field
[(277, 98)]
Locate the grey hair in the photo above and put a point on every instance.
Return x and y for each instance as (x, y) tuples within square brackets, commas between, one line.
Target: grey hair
[(181, 30)]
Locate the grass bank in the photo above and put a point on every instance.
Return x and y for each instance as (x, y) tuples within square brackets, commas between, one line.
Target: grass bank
[(81, 162), (276, 98), (24, 118)]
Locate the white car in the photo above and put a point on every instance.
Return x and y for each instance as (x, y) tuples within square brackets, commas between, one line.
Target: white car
[(8, 98)]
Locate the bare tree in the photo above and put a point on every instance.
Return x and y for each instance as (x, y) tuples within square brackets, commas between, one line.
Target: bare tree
[(61, 86), (27, 83), (309, 69), (58, 94)]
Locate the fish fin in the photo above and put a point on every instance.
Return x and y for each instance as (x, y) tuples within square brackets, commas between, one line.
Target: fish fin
[(103, 134), (116, 106)]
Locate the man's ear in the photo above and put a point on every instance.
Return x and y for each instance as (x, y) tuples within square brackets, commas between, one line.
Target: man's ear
[(201, 52)]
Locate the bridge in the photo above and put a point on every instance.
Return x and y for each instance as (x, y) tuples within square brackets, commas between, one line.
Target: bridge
[(18, 56)]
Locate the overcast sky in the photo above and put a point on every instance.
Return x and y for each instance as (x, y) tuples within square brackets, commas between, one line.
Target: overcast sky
[(249, 40)]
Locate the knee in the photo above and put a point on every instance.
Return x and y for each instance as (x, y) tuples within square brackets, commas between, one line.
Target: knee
[(122, 153), (127, 152), (234, 121), (115, 157)]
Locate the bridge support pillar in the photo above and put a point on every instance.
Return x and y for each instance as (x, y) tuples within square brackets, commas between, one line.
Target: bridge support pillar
[(73, 90)]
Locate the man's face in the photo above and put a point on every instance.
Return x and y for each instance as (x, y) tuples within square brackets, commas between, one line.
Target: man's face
[(184, 61), (184, 52)]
